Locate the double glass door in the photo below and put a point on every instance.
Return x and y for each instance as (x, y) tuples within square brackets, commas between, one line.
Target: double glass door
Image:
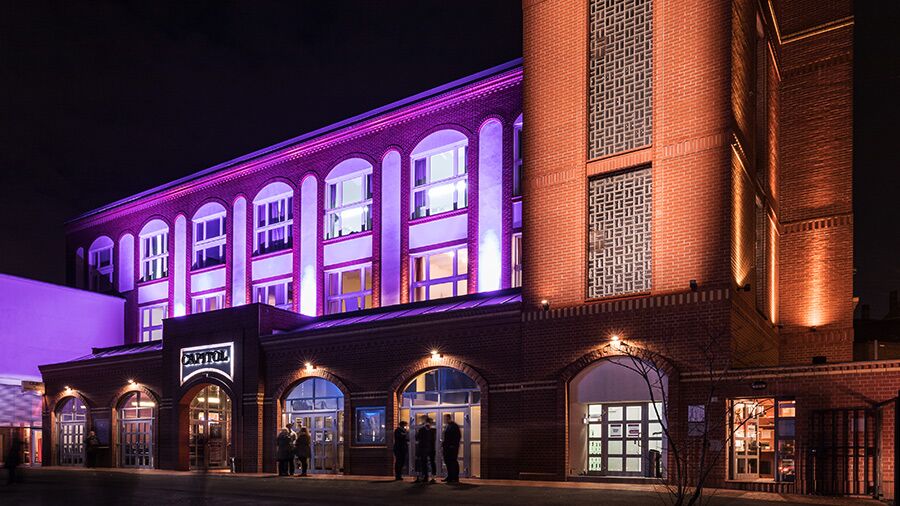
[(326, 439), (136, 439), (461, 417), (624, 439), (210, 429)]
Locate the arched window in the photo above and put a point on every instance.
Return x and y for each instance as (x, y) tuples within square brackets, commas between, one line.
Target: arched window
[(100, 265), (348, 198), (209, 236), (154, 251), (273, 219), (439, 177)]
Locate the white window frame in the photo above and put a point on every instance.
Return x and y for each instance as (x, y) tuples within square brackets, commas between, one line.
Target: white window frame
[(203, 301), (516, 260), (361, 294), (428, 282), (287, 224), (151, 261), (459, 181), (333, 215), (200, 246), (97, 271), (148, 329), (517, 161), (288, 290)]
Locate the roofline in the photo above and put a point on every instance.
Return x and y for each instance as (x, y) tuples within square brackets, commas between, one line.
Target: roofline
[(64, 288), (512, 64)]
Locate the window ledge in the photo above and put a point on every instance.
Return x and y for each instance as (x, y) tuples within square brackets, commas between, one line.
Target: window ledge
[(272, 254), (208, 269), (608, 298), (435, 217), (342, 238)]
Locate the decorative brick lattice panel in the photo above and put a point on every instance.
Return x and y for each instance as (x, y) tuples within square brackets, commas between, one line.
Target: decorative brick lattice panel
[(619, 249), (620, 76)]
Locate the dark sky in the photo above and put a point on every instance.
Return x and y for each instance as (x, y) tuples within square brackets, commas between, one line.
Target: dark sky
[(100, 100)]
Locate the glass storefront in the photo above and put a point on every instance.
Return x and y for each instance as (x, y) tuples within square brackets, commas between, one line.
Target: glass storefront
[(318, 405), (71, 421), (136, 425), (210, 429), (763, 440), (439, 392)]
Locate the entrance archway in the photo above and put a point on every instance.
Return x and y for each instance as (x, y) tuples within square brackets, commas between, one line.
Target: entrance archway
[(439, 392), (615, 428), (318, 405), (137, 416), (210, 429), (71, 423)]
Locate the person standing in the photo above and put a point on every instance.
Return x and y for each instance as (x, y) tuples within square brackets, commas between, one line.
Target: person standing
[(432, 446), (424, 450), (13, 459), (401, 449), (293, 436), (302, 449), (450, 448), (283, 451), (91, 444)]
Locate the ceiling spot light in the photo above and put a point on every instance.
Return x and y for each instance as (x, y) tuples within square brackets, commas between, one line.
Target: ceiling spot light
[(545, 305)]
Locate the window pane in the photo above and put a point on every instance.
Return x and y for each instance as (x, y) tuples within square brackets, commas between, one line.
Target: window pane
[(260, 215), (333, 284), (441, 265), (332, 196), (461, 156), (419, 269), (350, 281), (440, 291), (441, 198), (441, 166), (368, 274), (213, 228), (420, 175), (352, 190), (198, 232), (419, 293), (462, 287), (462, 261)]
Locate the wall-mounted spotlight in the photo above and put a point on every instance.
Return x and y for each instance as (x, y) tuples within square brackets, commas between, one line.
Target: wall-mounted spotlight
[(545, 305), (436, 355), (131, 382), (310, 367), (745, 288), (694, 286), (812, 329)]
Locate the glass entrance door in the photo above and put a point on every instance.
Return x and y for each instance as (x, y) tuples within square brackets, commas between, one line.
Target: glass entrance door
[(136, 415), (210, 429), (753, 441), (461, 417), (71, 424), (622, 437), (318, 405)]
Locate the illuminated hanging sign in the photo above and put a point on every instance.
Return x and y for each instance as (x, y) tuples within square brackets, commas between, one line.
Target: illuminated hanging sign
[(216, 358)]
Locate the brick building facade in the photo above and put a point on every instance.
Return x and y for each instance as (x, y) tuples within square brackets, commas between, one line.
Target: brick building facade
[(687, 193)]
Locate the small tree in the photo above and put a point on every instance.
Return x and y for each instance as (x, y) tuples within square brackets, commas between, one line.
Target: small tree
[(691, 457)]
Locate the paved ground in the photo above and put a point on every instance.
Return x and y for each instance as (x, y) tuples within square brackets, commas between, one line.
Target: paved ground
[(92, 487)]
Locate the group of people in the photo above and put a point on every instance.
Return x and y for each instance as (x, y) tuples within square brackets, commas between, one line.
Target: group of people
[(426, 446), (291, 445)]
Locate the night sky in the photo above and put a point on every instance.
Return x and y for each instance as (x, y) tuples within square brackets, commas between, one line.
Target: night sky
[(101, 100)]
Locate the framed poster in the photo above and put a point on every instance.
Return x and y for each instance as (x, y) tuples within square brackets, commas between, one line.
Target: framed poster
[(633, 430), (615, 430)]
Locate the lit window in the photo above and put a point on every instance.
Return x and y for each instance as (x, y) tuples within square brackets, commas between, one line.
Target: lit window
[(152, 321), (209, 241), (274, 221), (348, 289), (211, 302), (440, 274), (517, 260), (101, 268), (440, 181), (517, 160), (277, 293), (154, 256), (763, 445), (349, 205)]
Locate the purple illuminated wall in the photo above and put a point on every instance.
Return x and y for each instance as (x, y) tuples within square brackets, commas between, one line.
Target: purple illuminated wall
[(385, 139), (42, 323)]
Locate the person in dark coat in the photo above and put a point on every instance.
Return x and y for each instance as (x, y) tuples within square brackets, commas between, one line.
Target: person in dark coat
[(450, 448), (283, 451), (302, 449), (401, 449), (424, 450), (13, 459), (290, 428), (91, 444), (432, 446)]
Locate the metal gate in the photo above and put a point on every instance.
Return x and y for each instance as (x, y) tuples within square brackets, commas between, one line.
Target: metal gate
[(843, 455)]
